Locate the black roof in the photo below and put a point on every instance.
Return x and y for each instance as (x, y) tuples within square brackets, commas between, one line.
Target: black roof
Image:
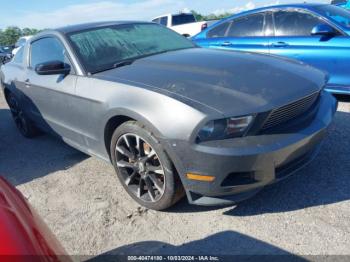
[(82, 27)]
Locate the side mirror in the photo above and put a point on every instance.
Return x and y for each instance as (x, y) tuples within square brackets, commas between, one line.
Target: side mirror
[(53, 68), (323, 30)]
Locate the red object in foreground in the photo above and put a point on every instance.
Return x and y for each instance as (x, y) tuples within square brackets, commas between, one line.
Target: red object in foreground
[(22, 232)]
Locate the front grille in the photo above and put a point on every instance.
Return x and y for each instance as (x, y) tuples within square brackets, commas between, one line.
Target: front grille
[(290, 111)]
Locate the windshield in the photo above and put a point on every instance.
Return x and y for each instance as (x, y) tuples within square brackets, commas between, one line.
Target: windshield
[(336, 14), (101, 49), (183, 19)]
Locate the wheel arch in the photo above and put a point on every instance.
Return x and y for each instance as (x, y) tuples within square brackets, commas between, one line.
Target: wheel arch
[(117, 118)]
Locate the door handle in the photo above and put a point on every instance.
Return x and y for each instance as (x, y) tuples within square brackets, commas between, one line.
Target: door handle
[(226, 44), (27, 83), (279, 44)]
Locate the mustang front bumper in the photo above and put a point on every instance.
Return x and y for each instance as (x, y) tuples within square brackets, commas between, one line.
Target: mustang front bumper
[(243, 166)]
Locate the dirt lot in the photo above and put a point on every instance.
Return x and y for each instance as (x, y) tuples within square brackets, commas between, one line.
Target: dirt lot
[(82, 202)]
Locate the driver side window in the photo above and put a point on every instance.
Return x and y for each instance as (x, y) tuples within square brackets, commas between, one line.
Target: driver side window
[(293, 23), (47, 49)]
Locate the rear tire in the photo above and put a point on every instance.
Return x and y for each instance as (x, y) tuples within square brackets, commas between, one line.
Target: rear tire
[(23, 123), (143, 167)]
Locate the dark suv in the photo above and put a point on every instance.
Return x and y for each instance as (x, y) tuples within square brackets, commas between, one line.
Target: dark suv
[(5, 56)]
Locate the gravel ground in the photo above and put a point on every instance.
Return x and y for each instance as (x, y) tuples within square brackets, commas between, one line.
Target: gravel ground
[(82, 202)]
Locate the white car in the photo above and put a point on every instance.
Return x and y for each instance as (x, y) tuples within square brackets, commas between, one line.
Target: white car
[(182, 23), (20, 42)]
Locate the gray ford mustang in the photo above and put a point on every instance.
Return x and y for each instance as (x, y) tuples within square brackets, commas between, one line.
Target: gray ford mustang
[(171, 117)]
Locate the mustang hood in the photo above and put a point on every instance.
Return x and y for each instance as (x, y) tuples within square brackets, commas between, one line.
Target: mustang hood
[(230, 82)]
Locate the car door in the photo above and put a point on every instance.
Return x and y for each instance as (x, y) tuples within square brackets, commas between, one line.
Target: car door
[(51, 96), (293, 39), (247, 33)]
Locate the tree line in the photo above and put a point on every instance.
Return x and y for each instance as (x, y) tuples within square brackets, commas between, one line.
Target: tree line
[(10, 35), (200, 17)]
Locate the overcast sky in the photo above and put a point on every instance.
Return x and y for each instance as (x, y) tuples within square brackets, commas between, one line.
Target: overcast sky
[(49, 14)]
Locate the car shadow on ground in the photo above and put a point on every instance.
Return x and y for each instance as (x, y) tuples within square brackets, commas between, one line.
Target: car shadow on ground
[(324, 181), (22, 160), (224, 244)]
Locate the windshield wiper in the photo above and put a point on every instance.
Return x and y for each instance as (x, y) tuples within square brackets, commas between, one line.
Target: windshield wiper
[(115, 65), (123, 63), (129, 61)]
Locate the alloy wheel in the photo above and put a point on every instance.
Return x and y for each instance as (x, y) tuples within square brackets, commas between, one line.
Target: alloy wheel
[(140, 167)]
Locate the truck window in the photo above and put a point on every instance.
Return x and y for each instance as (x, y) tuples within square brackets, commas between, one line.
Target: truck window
[(181, 19), (164, 20)]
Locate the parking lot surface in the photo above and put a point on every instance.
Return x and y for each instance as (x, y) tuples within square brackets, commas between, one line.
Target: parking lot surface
[(81, 200)]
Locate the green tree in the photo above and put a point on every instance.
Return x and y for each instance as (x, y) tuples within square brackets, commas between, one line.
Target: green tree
[(217, 17), (29, 31), (10, 35), (200, 17)]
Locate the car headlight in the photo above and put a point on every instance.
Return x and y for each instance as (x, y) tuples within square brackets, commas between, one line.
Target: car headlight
[(225, 128)]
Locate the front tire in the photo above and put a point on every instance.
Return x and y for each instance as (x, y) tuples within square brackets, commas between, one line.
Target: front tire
[(23, 123), (143, 167)]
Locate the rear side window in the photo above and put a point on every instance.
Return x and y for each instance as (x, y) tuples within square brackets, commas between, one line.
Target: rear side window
[(252, 25), (292, 23), (219, 31), (18, 58), (47, 49)]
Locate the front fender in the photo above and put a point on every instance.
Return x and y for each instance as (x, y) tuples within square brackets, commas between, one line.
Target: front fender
[(164, 116)]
